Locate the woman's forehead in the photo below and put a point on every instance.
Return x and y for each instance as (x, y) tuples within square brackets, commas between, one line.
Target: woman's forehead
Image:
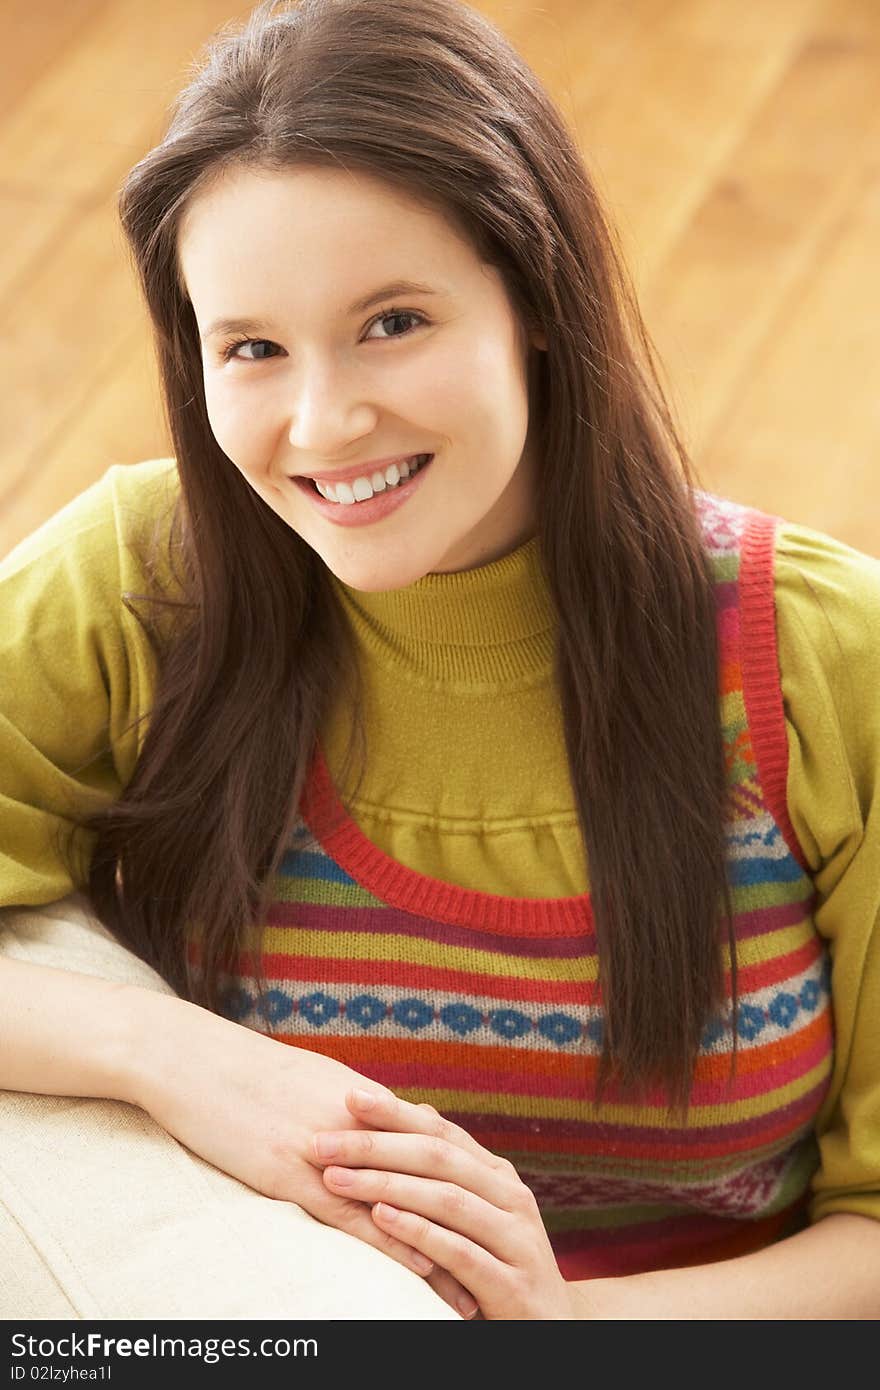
[(328, 233), (316, 198)]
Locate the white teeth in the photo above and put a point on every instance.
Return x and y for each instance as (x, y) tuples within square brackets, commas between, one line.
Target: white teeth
[(361, 489)]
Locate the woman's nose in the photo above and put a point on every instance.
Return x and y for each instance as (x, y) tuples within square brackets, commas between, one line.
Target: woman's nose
[(327, 409)]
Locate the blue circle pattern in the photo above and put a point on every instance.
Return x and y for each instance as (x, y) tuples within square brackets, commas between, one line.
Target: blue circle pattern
[(275, 1006), (365, 1010), (509, 1023), (782, 1011), (559, 1028), (414, 1014), (461, 1018), (319, 1008), (809, 995), (751, 1022)]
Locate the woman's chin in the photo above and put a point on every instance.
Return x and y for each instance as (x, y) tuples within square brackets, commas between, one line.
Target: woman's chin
[(377, 576)]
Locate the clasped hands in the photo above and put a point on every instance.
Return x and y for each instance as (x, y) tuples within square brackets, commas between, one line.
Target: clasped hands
[(462, 1208)]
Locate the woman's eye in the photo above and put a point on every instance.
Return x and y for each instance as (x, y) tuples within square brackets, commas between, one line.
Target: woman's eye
[(397, 314), (232, 350)]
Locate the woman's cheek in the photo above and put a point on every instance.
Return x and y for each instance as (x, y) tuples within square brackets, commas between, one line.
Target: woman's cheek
[(233, 427)]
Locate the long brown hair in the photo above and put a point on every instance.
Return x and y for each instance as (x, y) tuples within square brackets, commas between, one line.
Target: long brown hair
[(251, 641)]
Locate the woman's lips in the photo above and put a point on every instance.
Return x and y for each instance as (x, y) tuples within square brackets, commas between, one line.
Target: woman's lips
[(380, 505)]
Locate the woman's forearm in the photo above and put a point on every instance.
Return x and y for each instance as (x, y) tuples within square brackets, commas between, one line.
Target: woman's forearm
[(830, 1270), (63, 1033)]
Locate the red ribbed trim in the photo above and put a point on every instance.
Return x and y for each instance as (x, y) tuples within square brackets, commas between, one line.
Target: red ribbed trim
[(401, 887), (762, 686)]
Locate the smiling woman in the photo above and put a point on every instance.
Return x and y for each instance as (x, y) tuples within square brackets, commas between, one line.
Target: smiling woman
[(334, 396), (535, 995)]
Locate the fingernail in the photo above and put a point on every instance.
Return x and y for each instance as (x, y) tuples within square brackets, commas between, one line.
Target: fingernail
[(363, 1099), (326, 1145), (421, 1263), (467, 1306)]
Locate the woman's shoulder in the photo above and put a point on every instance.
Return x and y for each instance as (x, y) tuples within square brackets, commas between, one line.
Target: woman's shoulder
[(839, 580), (105, 524), (827, 602), (827, 597)]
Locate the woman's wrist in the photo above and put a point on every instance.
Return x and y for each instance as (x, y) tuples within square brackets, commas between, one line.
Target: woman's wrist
[(168, 1039), (148, 1034)]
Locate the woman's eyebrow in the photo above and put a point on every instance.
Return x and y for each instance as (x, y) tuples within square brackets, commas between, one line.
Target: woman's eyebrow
[(253, 326)]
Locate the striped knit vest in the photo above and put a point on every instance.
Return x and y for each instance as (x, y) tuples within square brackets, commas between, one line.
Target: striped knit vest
[(487, 1007)]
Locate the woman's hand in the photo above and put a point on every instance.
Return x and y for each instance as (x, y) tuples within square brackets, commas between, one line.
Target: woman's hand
[(252, 1106), (435, 1189)]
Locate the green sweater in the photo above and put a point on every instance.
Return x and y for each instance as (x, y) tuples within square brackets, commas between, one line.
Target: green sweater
[(78, 672)]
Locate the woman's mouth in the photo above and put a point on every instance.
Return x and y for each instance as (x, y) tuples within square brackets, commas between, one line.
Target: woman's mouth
[(369, 498)]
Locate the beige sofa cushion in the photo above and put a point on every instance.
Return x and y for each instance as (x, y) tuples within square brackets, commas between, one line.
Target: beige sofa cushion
[(105, 1215)]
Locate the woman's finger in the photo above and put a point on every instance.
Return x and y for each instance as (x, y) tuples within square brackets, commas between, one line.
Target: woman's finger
[(535, 1289), (349, 1215), (445, 1203), (453, 1293), (400, 1116), (355, 1218), (421, 1155), (478, 1271)]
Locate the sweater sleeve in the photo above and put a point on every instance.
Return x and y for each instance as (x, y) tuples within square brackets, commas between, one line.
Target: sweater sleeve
[(828, 631), (76, 674)]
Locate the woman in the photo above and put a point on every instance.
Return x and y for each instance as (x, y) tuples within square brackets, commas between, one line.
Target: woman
[(554, 964)]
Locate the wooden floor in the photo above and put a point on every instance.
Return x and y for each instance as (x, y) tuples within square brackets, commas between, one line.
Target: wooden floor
[(737, 145)]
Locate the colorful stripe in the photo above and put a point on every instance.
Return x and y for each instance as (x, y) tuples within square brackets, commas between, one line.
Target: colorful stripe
[(489, 1007)]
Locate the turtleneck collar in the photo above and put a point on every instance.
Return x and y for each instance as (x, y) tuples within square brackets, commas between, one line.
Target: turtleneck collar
[(494, 624)]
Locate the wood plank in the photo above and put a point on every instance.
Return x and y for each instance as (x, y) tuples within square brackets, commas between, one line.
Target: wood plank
[(754, 242), (92, 113), (85, 120), (688, 89), (121, 421), (734, 146), (69, 324), (34, 228), (804, 439), (582, 50), (34, 36), (68, 288)]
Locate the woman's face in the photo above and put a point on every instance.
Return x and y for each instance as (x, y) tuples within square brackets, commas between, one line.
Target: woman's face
[(323, 384)]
